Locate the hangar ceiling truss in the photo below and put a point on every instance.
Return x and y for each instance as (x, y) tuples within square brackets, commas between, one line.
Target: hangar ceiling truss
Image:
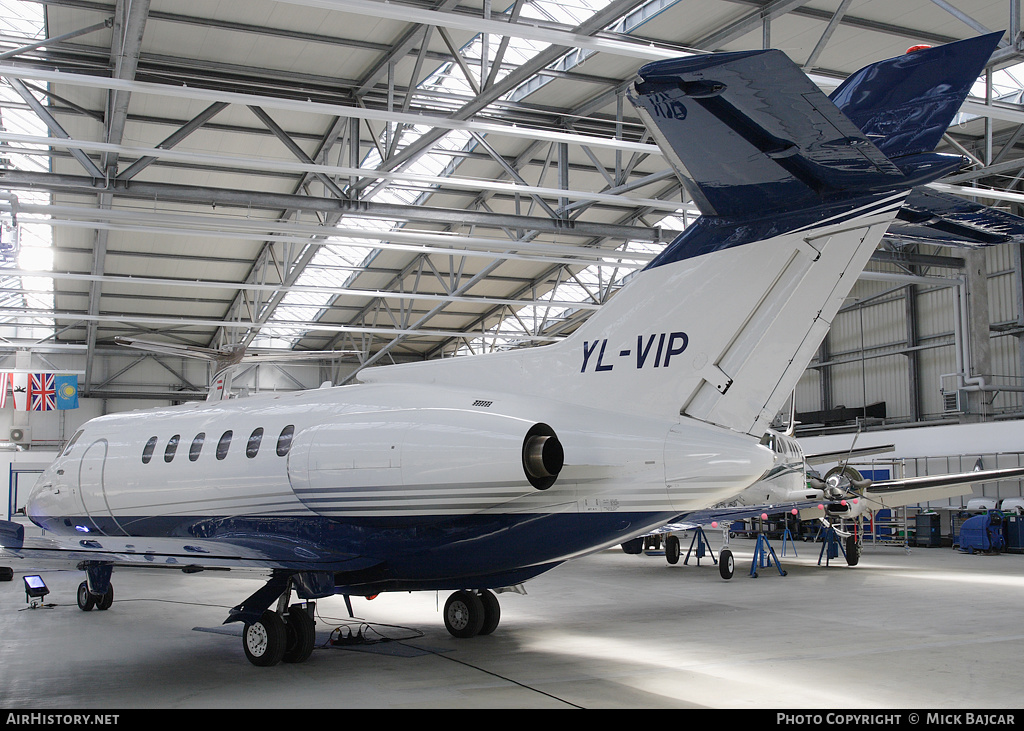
[(391, 181)]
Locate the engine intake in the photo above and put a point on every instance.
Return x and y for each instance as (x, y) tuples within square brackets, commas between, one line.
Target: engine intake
[(543, 456)]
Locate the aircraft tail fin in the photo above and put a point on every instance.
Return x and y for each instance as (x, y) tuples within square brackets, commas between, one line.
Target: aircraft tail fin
[(722, 324)]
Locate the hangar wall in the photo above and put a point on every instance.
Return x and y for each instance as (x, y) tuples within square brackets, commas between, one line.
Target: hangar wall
[(897, 343), (942, 449)]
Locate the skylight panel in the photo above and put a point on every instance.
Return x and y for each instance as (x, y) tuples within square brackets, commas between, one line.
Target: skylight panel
[(26, 243), (450, 80)]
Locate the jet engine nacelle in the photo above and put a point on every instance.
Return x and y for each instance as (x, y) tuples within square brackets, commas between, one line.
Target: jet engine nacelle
[(461, 460)]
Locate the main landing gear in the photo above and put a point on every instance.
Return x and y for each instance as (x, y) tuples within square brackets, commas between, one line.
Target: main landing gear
[(280, 636), (471, 613), (277, 633)]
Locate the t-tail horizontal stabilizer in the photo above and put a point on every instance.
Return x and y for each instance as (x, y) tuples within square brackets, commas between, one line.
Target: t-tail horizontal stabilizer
[(905, 104), (933, 217), (749, 134)]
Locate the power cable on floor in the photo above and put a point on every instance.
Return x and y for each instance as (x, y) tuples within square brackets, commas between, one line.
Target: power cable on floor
[(405, 643), (496, 675)]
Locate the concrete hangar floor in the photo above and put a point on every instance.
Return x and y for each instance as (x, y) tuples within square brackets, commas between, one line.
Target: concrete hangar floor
[(927, 629)]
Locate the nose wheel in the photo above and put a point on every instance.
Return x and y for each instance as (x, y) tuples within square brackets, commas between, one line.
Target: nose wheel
[(87, 600)]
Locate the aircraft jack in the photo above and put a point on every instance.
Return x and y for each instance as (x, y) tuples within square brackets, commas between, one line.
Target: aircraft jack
[(701, 541), (764, 555), (787, 537), (831, 546)]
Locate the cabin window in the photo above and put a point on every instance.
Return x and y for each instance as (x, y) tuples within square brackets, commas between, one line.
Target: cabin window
[(253, 445), (147, 451), (197, 446), (71, 443), (284, 441), (223, 444), (172, 447)]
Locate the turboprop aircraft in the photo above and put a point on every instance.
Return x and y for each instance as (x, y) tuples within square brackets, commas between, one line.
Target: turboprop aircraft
[(792, 486), (479, 473)]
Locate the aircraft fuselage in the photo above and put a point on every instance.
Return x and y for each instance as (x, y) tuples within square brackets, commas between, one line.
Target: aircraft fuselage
[(430, 485)]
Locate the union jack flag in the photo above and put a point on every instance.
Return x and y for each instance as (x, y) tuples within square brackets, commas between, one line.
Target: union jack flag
[(42, 394)]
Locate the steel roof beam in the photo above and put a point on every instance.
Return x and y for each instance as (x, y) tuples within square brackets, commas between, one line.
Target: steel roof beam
[(199, 195), (308, 167), (126, 44), (460, 121), (575, 38), (748, 23), (826, 35)]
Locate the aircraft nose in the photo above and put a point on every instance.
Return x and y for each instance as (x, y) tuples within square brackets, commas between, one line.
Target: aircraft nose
[(44, 501)]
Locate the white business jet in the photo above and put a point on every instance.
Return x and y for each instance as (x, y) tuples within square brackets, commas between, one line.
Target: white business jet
[(476, 474)]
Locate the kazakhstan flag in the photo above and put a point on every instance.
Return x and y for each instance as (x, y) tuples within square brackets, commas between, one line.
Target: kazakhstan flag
[(67, 391)]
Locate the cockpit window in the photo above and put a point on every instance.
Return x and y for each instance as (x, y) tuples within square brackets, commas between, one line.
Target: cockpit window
[(172, 447), (253, 446), (147, 452), (71, 443), (223, 444), (284, 441), (197, 447)]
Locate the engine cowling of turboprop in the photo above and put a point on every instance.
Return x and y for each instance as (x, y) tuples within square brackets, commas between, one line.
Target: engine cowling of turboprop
[(844, 488)]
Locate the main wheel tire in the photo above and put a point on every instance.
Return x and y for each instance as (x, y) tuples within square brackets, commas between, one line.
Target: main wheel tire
[(464, 614), (492, 612), (672, 549), (853, 548), (726, 564), (265, 640), (104, 600), (301, 635), (86, 601), (6, 573)]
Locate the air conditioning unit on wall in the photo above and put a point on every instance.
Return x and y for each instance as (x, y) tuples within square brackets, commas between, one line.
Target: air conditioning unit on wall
[(20, 434)]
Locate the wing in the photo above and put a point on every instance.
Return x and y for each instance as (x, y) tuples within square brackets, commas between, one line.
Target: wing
[(882, 494), (698, 518), (248, 552), (913, 490), (842, 455)]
